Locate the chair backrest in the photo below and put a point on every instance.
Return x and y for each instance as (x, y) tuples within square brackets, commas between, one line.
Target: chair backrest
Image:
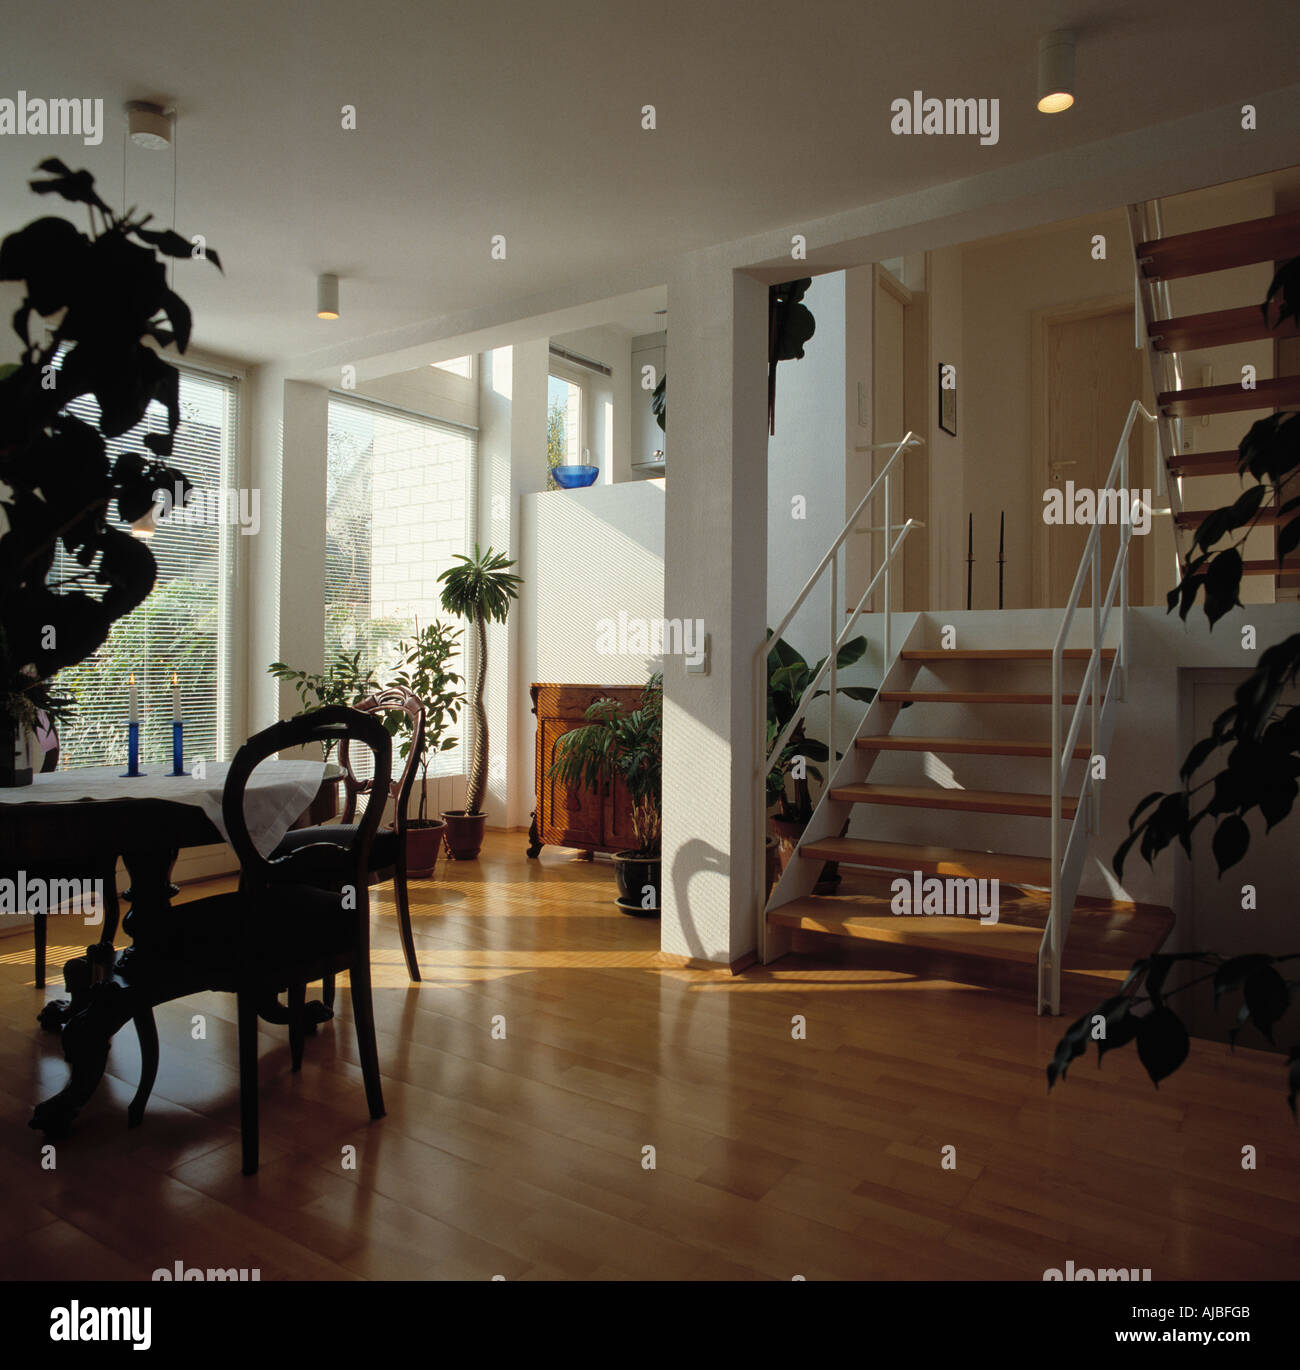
[(391, 700), (322, 865)]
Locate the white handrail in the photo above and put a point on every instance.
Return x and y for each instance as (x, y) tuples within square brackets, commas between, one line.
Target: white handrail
[(837, 637), (1089, 802)]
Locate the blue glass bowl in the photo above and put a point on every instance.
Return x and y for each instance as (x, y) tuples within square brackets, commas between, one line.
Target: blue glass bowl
[(573, 477)]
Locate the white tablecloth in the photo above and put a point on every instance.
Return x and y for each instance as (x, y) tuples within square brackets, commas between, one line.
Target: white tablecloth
[(277, 793)]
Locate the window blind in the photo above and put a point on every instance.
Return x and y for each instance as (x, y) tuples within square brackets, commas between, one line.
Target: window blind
[(400, 502), (187, 623)]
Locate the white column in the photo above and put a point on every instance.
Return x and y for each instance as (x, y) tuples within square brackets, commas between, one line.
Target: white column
[(715, 568)]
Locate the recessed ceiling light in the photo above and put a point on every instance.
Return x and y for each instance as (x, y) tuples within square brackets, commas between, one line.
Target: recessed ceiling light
[(148, 125), (1055, 72), (327, 297)]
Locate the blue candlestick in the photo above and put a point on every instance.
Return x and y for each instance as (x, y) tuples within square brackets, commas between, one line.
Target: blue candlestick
[(178, 747), (133, 750)]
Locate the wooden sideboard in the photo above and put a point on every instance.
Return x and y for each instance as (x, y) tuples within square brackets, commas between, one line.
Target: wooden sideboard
[(590, 820)]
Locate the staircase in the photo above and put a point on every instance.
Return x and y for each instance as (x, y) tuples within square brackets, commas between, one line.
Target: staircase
[(1160, 259), (1023, 723)]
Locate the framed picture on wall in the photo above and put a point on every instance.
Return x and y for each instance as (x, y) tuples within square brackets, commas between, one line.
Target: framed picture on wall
[(948, 398)]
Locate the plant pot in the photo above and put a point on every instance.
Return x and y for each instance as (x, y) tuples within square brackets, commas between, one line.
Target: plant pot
[(772, 847), (464, 834), (15, 757), (787, 832), (423, 842), (638, 880)]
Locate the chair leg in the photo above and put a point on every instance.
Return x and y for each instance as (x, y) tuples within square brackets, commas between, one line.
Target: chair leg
[(404, 915), (111, 911), (248, 1078), (147, 1031), (363, 1013), (327, 990), (297, 1022), (38, 939)]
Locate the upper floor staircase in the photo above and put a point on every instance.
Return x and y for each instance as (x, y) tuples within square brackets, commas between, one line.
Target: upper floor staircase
[(1160, 259)]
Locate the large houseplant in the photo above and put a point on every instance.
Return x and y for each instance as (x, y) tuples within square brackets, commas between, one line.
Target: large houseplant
[(628, 746), (789, 796), (344, 681), (424, 671), (111, 309), (479, 590)]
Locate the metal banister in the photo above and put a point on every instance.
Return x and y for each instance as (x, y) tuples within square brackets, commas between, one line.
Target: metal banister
[(1053, 940), (837, 637)]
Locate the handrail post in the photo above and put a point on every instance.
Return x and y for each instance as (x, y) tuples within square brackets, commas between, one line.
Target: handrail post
[(1054, 913), (835, 583), (1126, 537), (888, 597), (1094, 790)]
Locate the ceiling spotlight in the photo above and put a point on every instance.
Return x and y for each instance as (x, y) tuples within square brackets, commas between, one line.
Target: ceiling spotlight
[(1055, 72), (148, 125), (327, 297)]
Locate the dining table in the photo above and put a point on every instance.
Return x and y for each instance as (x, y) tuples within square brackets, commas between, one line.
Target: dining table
[(85, 818)]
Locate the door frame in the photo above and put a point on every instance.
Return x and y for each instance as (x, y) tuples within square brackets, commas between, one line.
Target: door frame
[(1041, 322)]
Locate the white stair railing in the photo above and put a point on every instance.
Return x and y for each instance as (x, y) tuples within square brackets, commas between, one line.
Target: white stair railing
[(837, 639), (1070, 848)]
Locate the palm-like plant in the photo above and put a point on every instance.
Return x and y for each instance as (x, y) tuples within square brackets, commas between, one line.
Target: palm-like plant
[(480, 591), (627, 746)]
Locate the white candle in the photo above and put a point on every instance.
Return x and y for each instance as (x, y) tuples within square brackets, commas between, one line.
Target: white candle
[(176, 698), (135, 703)]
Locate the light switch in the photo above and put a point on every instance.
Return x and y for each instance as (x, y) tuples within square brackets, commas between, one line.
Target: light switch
[(700, 667)]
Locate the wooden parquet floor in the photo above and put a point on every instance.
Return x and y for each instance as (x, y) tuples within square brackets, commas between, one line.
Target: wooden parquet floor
[(522, 1154)]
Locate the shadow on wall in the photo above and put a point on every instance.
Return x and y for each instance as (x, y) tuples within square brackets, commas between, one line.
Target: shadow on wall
[(693, 858)]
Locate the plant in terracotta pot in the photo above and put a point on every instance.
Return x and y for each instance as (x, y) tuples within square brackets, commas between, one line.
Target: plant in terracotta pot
[(628, 746), (345, 680), (480, 590), (424, 671), (788, 791)]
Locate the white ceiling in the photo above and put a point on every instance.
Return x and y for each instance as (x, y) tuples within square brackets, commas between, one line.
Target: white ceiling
[(524, 119)]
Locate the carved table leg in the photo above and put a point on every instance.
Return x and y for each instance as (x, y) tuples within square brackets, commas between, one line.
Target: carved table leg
[(534, 838), (102, 995)]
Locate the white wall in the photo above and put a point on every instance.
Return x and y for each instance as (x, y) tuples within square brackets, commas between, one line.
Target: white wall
[(587, 556)]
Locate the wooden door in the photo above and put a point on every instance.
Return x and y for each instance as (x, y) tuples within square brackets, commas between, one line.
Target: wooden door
[(1093, 373)]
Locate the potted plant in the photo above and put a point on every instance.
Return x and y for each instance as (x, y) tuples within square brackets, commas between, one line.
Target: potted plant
[(345, 680), (425, 658), (614, 745), (788, 790), (479, 591), (108, 293)]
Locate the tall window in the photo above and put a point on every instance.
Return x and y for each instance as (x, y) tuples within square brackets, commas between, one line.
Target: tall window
[(563, 425), (184, 625), (400, 506)]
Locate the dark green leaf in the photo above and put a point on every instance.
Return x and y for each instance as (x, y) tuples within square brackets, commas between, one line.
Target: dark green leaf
[(1162, 1043), (1230, 841), (1266, 997)]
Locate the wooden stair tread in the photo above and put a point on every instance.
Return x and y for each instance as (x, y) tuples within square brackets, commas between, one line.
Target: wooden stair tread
[(1205, 464), (1217, 328), (1290, 567), (1282, 392), (974, 746), (1217, 249), (968, 697), (1104, 936), (1192, 518), (1004, 654), (932, 860), (965, 801)]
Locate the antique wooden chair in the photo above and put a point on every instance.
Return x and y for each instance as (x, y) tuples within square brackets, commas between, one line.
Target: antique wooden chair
[(388, 856), (297, 917)]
